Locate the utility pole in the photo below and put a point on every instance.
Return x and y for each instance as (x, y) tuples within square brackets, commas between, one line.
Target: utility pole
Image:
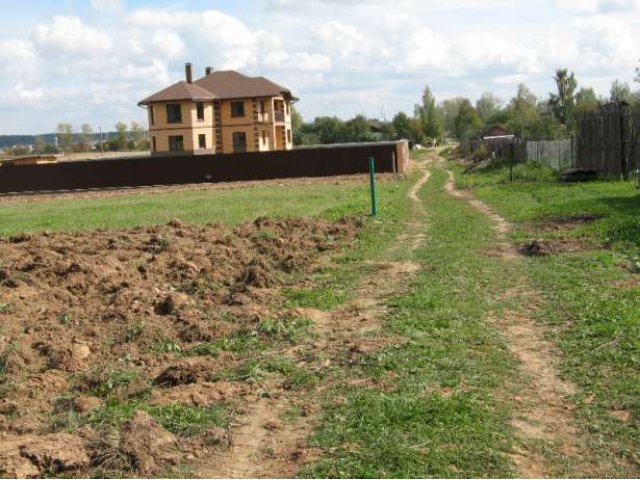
[(101, 142)]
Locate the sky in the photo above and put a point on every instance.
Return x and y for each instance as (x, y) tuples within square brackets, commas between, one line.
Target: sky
[(91, 61)]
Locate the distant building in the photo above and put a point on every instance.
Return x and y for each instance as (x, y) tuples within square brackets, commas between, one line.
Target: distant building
[(222, 112)]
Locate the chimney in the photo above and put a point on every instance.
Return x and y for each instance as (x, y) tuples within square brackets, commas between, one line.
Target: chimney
[(209, 70), (188, 72)]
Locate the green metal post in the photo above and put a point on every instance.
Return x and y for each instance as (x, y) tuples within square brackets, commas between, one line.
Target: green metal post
[(372, 176)]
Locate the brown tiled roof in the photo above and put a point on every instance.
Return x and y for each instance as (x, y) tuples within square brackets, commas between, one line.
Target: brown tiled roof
[(180, 91), (230, 84)]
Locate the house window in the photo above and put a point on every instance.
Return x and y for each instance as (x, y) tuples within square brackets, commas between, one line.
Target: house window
[(263, 106), (152, 117), (237, 109), (155, 146), (202, 141), (264, 137), (286, 108), (200, 110), (174, 113), (288, 136), (239, 142), (176, 143)]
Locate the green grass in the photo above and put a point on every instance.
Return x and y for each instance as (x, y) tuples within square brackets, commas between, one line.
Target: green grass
[(230, 206), (333, 283), (591, 298), (441, 418)]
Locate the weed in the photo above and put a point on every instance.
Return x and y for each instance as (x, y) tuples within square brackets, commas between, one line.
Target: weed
[(133, 332), (187, 421), (166, 346), (288, 327)]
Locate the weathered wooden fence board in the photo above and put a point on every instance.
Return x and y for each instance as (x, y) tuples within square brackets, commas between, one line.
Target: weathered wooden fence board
[(556, 154), (608, 142)]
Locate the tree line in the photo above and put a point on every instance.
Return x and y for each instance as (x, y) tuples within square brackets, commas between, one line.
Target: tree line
[(524, 115), (68, 139)]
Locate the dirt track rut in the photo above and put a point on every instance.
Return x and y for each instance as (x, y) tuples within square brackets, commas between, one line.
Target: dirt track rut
[(542, 408), (262, 446)]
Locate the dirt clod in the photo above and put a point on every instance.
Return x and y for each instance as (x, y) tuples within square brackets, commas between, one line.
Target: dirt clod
[(147, 444)]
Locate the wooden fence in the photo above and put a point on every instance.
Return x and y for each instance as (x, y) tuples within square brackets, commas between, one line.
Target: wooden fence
[(608, 143), (349, 159), (556, 154)]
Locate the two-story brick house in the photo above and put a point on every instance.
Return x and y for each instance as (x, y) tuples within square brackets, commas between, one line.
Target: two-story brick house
[(222, 112)]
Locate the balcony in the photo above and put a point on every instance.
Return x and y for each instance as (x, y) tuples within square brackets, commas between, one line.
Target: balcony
[(278, 116)]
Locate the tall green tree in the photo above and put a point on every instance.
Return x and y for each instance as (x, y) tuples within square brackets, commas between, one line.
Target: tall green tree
[(429, 116), (586, 101), (402, 125), (468, 123), (522, 112), (488, 106), (620, 92), (358, 130), (65, 136), (296, 126), (562, 103), (139, 137), (329, 129), (120, 140), (450, 109)]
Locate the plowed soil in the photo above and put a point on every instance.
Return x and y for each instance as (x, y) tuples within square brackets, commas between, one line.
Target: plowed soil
[(92, 316)]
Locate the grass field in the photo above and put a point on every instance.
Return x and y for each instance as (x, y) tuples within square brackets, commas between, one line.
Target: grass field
[(437, 395), (230, 206), (591, 296)]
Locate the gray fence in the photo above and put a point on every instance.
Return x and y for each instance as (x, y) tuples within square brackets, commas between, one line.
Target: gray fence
[(556, 154), (609, 142)]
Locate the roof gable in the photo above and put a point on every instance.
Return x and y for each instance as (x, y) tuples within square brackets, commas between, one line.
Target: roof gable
[(231, 84), (180, 91)]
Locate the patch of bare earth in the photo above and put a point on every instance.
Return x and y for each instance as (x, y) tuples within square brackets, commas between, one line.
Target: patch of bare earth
[(263, 446), (542, 408), (97, 315)]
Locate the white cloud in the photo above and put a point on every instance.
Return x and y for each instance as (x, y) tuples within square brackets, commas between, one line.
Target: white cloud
[(339, 56), (107, 6), (30, 95), (593, 6), (68, 35)]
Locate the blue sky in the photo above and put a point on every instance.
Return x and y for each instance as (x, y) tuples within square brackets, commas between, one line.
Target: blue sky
[(91, 61)]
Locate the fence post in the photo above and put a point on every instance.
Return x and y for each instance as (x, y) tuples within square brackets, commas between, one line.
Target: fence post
[(372, 184)]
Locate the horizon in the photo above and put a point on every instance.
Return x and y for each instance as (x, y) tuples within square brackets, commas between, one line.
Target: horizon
[(92, 61)]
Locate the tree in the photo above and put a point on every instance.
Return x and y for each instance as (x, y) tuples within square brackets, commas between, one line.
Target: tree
[(620, 92), (329, 129), (449, 110), (65, 136), (358, 130), (86, 136), (563, 103), (139, 137), (522, 112), (488, 105), (402, 126), (38, 144), (586, 101), (468, 122), (120, 140), (296, 126), (429, 116)]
